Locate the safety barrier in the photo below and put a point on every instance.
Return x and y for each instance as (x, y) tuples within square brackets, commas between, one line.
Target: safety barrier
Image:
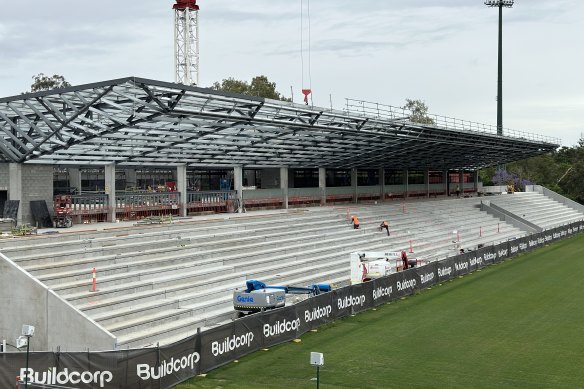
[(89, 208), (138, 205), (166, 366), (210, 201)]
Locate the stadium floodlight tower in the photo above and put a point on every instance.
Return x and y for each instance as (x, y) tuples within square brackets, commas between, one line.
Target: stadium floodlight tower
[(186, 42), (501, 4)]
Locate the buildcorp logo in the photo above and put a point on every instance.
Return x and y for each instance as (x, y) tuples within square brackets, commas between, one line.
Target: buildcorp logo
[(426, 277), (52, 376), (444, 271), (146, 372), (231, 343), (351, 301), (281, 327), (382, 292), (406, 284), (317, 313)]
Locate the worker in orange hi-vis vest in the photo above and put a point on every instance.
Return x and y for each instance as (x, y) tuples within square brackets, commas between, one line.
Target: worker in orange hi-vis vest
[(384, 225), (355, 221)]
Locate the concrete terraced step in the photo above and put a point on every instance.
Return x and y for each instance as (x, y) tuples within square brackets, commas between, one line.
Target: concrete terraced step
[(81, 290), (284, 245), (88, 249), (340, 257), (36, 245), (111, 264), (187, 325), (36, 263)]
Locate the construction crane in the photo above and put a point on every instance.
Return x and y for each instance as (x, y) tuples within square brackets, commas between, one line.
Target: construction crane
[(186, 42)]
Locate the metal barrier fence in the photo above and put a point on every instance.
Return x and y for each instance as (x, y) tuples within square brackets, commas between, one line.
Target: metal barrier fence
[(210, 201), (136, 205), (89, 208)]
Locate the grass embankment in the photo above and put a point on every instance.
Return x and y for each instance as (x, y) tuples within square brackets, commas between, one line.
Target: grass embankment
[(517, 324)]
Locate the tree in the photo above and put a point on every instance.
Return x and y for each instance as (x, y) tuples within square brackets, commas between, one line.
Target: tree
[(561, 171), (260, 86), (418, 111), (42, 82)]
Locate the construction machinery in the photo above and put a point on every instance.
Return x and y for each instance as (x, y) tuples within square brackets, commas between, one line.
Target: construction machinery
[(62, 207), (368, 265), (259, 297)]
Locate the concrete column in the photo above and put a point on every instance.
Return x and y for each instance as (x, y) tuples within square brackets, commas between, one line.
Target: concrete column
[(110, 191), (322, 185), (131, 178), (181, 187), (461, 182), (446, 186), (75, 179), (382, 184), (427, 182), (476, 180), (406, 183), (284, 186), (238, 185), (355, 185), (15, 188)]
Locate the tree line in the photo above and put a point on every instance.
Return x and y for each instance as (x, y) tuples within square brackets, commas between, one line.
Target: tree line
[(561, 170)]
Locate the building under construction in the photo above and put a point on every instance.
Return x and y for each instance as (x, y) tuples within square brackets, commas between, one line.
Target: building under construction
[(129, 148)]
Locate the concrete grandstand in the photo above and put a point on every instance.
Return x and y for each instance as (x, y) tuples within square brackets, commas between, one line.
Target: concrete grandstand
[(161, 282)]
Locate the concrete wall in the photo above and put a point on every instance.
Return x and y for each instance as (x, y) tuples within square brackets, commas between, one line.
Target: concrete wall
[(4, 180), (37, 184), (25, 300)]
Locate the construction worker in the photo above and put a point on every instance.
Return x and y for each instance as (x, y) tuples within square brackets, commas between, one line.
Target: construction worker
[(404, 258), (355, 221), (457, 190), (384, 225)]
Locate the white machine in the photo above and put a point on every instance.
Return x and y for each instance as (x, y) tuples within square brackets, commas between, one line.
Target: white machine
[(367, 265)]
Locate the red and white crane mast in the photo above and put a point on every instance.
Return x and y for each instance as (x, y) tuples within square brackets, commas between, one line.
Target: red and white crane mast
[(186, 42)]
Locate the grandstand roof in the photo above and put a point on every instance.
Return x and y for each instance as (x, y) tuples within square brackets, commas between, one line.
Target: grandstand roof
[(134, 121)]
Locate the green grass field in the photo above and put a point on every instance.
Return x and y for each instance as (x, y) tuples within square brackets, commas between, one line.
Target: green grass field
[(518, 324)]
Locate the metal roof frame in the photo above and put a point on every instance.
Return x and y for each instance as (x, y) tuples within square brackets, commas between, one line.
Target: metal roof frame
[(139, 122)]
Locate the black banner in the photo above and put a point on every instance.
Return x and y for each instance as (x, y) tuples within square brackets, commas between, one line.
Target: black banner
[(316, 311), (383, 290), (348, 300), (221, 345), (166, 366), (407, 282), (445, 269), (427, 275)]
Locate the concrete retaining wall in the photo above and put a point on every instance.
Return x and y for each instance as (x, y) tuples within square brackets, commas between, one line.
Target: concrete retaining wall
[(25, 300)]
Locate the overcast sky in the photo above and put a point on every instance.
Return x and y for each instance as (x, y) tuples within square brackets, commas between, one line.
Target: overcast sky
[(441, 51)]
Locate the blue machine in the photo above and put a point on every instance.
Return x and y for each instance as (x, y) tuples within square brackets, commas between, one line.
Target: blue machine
[(259, 297)]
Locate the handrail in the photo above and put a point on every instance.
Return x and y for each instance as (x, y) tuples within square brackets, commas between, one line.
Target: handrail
[(388, 112)]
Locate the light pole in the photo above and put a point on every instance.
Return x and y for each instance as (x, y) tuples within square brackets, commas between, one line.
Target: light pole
[(500, 4), (317, 359), (27, 333)]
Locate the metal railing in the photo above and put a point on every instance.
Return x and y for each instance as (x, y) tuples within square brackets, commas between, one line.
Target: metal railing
[(388, 112), (210, 197), (141, 201), (88, 203)]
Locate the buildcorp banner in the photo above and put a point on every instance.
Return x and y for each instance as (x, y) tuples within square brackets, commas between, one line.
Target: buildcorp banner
[(166, 366)]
